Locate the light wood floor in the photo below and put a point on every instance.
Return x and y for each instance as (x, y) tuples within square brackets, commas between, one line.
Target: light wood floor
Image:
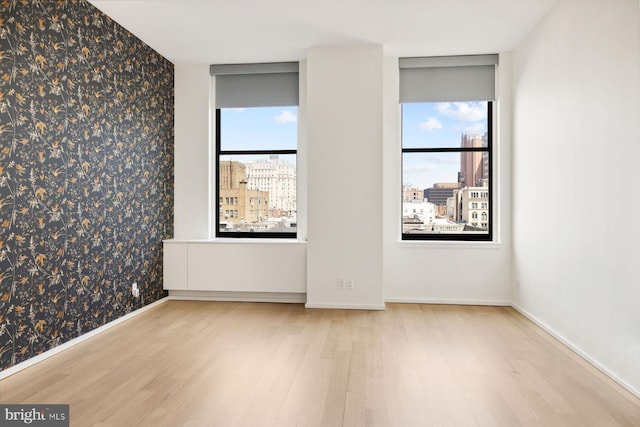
[(249, 364)]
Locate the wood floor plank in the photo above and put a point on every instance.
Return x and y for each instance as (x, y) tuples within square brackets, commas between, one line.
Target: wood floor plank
[(188, 363)]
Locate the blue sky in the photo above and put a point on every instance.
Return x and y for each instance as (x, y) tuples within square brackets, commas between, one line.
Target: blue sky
[(259, 128), (438, 124)]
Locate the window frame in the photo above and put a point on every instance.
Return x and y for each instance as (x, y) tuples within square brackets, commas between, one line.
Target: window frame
[(219, 152), (463, 237)]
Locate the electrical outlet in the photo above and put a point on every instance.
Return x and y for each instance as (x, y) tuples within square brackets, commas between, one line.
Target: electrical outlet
[(518, 285), (340, 284), (134, 290), (349, 284)]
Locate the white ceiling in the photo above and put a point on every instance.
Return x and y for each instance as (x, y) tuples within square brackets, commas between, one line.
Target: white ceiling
[(237, 31)]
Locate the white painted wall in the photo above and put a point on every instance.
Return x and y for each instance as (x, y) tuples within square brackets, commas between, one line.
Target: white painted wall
[(191, 163), (344, 137), (576, 81), (219, 266), (446, 272), (350, 144)]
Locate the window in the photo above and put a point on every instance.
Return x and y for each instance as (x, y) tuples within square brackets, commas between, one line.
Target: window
[(447, 146), (256, 146)]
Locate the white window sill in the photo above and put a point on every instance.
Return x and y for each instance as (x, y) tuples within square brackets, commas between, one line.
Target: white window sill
[(448, 244), (240, 240)]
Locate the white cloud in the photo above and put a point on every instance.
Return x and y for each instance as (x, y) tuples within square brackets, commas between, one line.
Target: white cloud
[(286, 116), (475, 128), (431, 124), (464, 111), (426, 167), (430, 163)]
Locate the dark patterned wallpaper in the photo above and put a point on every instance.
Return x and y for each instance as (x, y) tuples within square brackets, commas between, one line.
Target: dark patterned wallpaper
[(86, 173)]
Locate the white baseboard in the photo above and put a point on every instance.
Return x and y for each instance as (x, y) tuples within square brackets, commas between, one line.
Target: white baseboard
[(75, 341), (577, 350), (498, 303), (285, 297), (346, 306)]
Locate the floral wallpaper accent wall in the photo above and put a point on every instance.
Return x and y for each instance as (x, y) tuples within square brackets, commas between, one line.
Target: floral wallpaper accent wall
[(86, 173)]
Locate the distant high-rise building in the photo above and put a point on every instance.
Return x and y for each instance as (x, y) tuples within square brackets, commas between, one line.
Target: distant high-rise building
[(453, 185), (278, 177), (238, 203), (440, 192), (411, 193), (231, 173), (474, 166), (416, 214), (470, 205)]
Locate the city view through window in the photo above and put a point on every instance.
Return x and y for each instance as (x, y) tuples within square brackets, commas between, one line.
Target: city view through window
[(256, 171), (446, 168)]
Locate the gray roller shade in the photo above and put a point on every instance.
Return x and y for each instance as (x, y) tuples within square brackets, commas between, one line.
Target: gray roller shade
[(256, 85), (448, 78)]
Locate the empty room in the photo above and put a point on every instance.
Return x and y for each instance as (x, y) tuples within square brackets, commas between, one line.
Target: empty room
[(319, 213)]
